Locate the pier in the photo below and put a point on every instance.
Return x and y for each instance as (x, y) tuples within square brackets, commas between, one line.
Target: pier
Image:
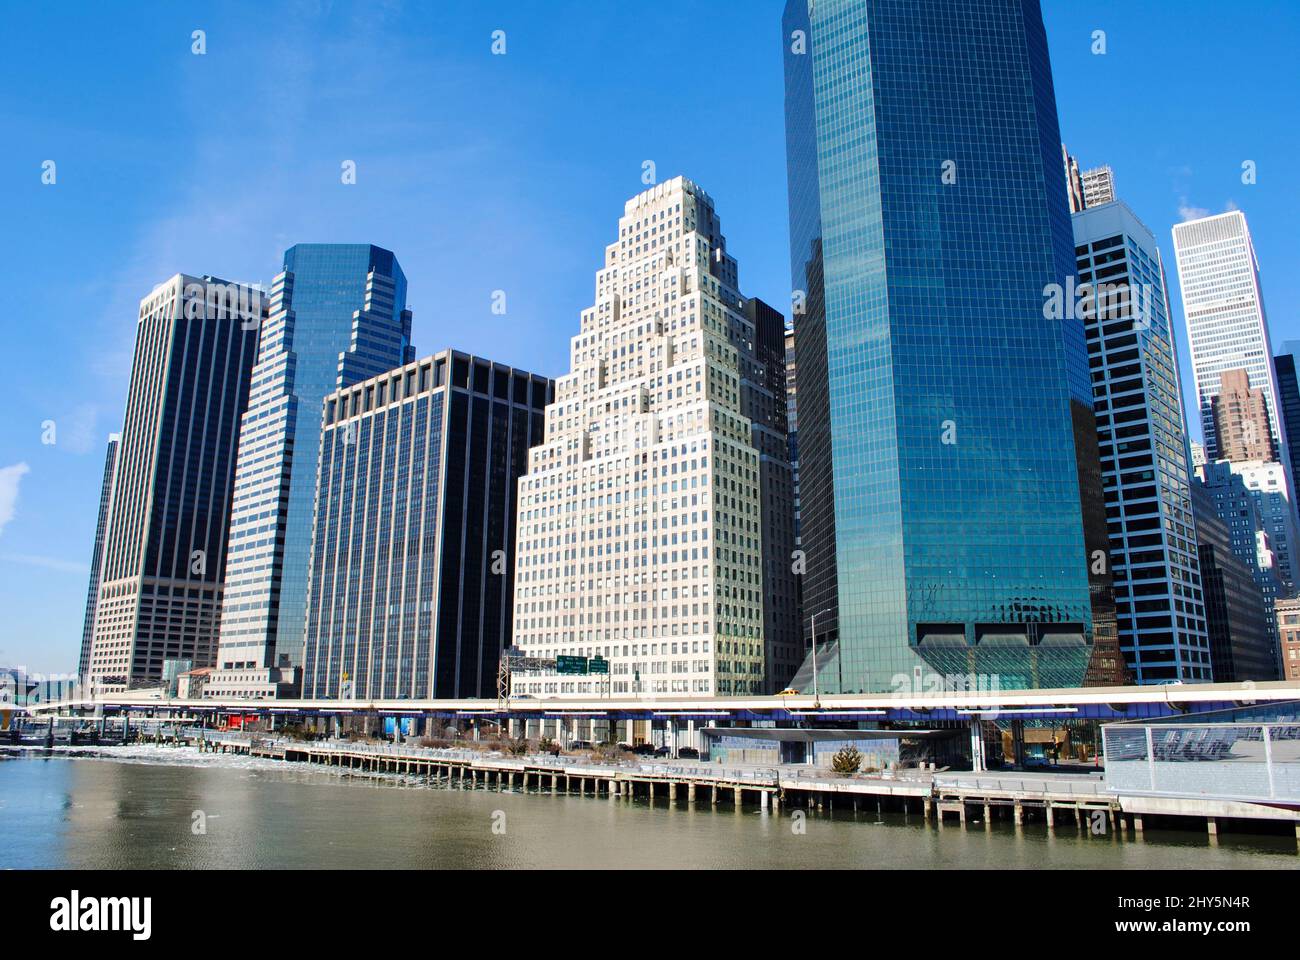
[(1076, 802)]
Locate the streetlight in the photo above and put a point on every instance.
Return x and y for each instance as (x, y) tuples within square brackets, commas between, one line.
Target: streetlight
[(817, 699)]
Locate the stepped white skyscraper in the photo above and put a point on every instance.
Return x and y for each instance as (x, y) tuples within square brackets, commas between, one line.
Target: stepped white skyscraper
[(642, 518)]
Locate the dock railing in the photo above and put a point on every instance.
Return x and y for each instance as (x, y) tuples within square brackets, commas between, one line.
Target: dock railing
[(1227, 761)]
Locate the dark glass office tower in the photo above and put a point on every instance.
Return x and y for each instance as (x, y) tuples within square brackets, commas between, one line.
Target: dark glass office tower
[(411, 585), (164, 552), (945, 423), (764, 402), (1288, 396)]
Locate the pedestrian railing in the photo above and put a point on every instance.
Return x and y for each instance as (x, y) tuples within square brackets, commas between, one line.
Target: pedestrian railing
[(1228, 761)]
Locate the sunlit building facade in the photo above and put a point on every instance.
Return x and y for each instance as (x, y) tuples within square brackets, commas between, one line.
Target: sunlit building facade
[(646, 514), (337, 315), (1223, 305), (1142, 437)]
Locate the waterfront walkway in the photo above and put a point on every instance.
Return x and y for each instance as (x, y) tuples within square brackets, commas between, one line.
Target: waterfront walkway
[(1078, 801)]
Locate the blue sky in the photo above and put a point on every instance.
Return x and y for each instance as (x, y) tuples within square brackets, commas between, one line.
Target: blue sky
[(483, 172)]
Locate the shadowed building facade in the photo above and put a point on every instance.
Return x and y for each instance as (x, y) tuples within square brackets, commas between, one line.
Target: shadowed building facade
[(1288, 390), (1241, 638), (411, 579), (950, 492), (164, 556)]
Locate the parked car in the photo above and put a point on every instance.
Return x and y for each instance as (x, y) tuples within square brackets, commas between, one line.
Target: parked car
[(688, 753), (580, 745), (663, 752), (644, 749)]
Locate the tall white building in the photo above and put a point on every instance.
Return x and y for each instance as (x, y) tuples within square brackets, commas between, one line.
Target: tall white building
[(1224, 308), (642, 518)]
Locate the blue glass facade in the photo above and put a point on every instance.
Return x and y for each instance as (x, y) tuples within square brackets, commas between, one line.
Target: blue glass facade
[(337, 316), (331, 351), (945, 424)]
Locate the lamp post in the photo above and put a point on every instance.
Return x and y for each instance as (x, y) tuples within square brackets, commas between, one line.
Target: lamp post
[(817, 699)]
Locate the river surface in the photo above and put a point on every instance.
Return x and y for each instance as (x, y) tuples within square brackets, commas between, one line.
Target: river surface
[(158, 807)]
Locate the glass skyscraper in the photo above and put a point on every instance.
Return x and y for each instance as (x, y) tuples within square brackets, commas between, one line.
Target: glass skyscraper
[(948, 464), (337, 316), (1288, 395)]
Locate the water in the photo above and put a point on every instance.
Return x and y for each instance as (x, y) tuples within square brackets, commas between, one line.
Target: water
[(133, 807)]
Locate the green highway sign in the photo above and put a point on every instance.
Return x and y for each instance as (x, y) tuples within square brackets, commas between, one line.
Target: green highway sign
[(570, 665), (599, 665)]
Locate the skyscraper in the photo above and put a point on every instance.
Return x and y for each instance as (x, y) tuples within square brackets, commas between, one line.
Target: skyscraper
[(792, 418), (1288, 621), (949, 482), (1223, 304), (1288, 385), (1241, 419), (792, 442), (410, 590), (764, 402), (97, 553), (165, 551), (1073, 181), (1098, 186), (1266, 483), (1238, 614), (1239, 507), (1143, 444), (337, 316), (643, 518)]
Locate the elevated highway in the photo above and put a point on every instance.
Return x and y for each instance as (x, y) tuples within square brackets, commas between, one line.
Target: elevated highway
[(1075, 703)]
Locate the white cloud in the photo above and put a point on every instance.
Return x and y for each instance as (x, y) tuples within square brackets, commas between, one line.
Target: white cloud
[(10, 477), (1188, 212), (49, 563)]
